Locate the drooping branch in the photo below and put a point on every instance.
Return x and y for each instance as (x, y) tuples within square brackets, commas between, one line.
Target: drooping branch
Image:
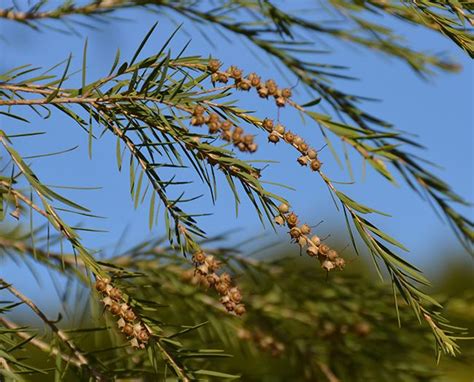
[(82, 360)]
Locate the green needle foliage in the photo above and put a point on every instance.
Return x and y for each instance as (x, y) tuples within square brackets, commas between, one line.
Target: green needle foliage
[(156, 108)]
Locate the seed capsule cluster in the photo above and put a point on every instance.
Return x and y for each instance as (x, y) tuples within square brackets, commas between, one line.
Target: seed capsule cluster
[(330, 329), (264, 342), (264, 89), (128, 322), (277, 132), (205, 271), (328, 257), (229, 132)]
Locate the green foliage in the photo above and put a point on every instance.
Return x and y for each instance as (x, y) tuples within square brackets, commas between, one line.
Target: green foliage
[(155, 107)]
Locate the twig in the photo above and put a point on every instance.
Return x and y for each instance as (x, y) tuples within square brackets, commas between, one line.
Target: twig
[(43, 346), (78, 354)]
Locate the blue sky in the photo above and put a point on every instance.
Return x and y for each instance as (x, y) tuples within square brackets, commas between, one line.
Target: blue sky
[(439, 111)]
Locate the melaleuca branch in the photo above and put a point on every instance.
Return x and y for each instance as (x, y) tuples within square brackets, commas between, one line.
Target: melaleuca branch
[(82, 360), (136, 99)]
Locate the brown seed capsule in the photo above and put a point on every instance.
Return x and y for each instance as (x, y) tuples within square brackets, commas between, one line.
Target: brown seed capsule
[(226, 125), (236, 138), (312, 154), (214, 77), (271, 87), (280, 129), (292, 220), (273, 138), (267, 124), (315, 165), (214, 265), (327, 265), (235, 295), (240, 310), (362, 329), (284, 208), (143, 336), (279, 220), (252, 147), (238, 130), (302, 241), (340, 263), (213, 65), (248, 139), (222, 287), (129, 315), (244, 85), (100, 285), (280, 101), (289, 136), (226, 136), (212, 279), (262, 92), (332, 255), (254, 79), (214, 127), (127, 330), (235, 72), (312, 251), (214, 117), (303, 147), (115, 308), (305, 229), (202, 269), (303, 160), (323, 249), (223, 78), (316, 240), (229, 305), (199, 257), (298, 140), (198, 110), (115, 294), (198, 120), (286, 93), (295, 233), (225, 278), (204, 282)]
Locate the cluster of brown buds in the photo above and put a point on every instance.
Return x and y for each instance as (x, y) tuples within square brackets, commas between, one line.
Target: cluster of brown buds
[(309, 156), (229, 132), (328, 257), (264, 342), (128, 322), (265, 89), (205, 272), (330, 329)]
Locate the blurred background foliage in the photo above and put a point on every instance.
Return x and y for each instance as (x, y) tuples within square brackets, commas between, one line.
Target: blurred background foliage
[(300, 325)]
